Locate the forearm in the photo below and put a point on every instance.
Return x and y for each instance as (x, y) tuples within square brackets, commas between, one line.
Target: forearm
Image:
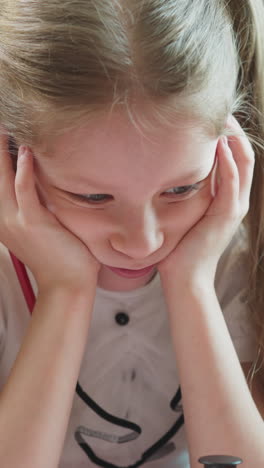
[(36, 401), (220, 414)]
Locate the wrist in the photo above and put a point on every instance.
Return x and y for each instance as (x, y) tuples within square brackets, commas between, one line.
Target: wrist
[(188, 298), (70, 290), (191, 282)]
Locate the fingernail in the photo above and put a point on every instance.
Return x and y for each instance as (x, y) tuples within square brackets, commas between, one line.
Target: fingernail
[(23, 152), (225, 141)]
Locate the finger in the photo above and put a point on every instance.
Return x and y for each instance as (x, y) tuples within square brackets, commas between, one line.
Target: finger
[(227, 196), (213, 177), (26, 195), (7, 176), (244, 157)]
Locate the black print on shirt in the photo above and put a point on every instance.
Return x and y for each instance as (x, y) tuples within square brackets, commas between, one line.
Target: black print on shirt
[(158, 450)]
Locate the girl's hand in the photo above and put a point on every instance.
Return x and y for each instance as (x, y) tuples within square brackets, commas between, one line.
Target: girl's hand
[(34, 235), (197, 254)]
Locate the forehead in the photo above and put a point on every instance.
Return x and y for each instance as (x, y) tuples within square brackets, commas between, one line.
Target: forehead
[(111, 145)]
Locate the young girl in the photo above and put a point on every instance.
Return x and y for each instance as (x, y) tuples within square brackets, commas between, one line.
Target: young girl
[(126, 207)]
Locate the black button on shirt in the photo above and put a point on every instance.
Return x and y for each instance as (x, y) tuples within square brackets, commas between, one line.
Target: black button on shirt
[(122, 318)]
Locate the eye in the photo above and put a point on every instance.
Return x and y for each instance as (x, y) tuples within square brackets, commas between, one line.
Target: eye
[(178, 193), (184, 191), (93, 199)]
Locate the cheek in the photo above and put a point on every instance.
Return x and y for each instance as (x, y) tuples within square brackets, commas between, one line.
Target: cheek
[(88, 225), (188, 213), (201, 203), (75, 220), (83, 223), (91, 226)]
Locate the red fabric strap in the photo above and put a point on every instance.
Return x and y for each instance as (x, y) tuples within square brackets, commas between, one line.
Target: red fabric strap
[(24, 282)]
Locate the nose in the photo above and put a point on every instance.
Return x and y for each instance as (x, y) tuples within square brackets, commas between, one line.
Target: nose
[(139, 234)]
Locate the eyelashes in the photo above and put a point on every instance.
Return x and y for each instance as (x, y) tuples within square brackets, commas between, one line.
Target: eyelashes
[(185, 189), (178, 194), (98, 197)]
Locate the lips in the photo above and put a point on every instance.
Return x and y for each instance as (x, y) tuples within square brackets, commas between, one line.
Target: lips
[(132, 273), (134, 269)]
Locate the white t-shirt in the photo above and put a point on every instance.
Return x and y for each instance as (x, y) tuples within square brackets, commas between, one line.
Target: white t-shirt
[(128, 400)]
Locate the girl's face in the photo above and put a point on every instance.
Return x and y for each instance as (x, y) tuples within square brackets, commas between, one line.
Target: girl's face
[(130, 198)]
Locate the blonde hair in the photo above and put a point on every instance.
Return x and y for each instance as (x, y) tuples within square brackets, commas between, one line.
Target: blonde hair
[(63, 62), (248, 18)]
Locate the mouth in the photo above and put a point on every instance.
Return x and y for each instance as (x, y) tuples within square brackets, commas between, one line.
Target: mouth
[(128, 273)]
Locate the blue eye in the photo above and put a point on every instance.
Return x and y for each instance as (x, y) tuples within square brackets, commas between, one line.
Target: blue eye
[(181, 192), (97, 198)]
